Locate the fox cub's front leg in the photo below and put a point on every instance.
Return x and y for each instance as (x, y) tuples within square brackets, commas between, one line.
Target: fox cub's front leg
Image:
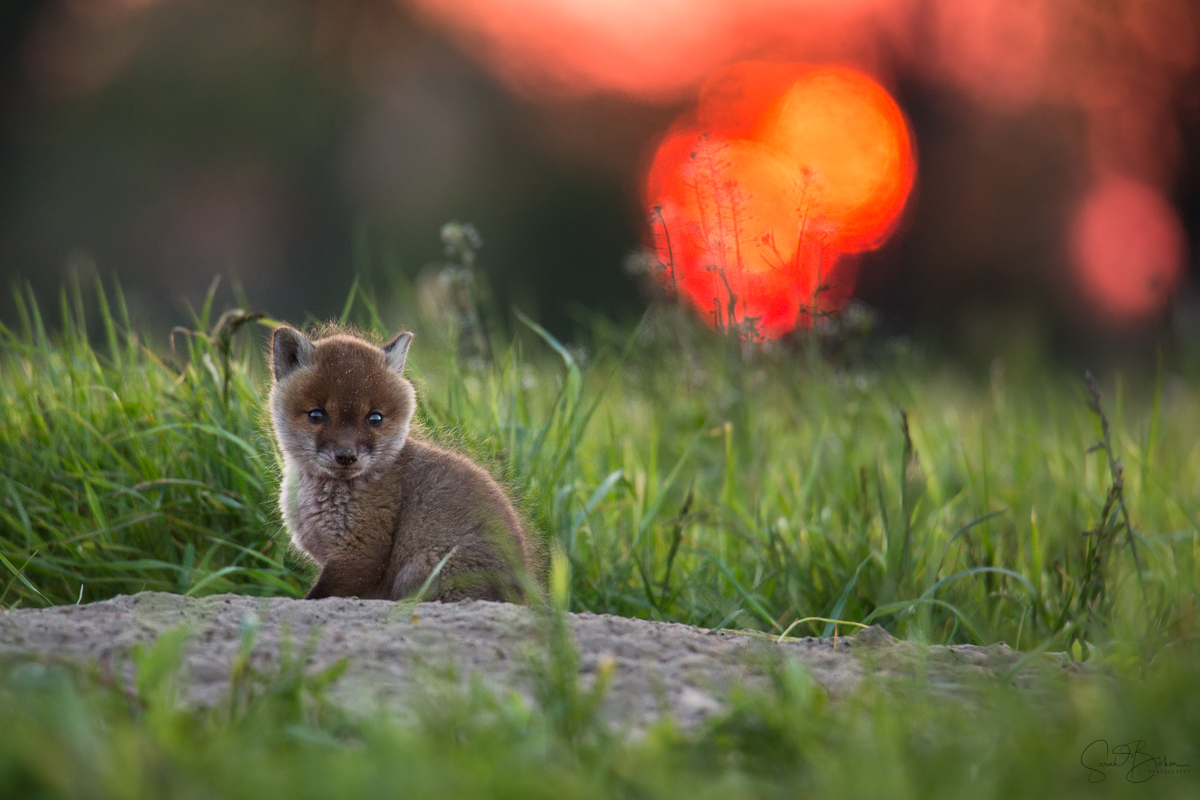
[(347, 577)]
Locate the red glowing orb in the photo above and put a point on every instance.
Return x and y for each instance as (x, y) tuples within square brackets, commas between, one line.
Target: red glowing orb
[(757, 198), (1127, 247)]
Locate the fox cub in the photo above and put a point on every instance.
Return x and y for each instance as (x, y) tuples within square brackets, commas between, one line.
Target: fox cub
[(375, 507)]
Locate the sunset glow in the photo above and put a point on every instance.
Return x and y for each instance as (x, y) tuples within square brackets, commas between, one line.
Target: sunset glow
[(1120, 68), (758, 197), (647, 48), (764, 192)]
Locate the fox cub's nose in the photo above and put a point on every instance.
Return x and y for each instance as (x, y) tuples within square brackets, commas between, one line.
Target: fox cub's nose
[(345, 457)]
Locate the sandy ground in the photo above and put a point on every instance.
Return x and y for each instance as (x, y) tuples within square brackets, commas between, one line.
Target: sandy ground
[(394, 649)]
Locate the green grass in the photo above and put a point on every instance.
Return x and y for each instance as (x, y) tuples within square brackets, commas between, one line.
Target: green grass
[(681, 477), (902, 493)]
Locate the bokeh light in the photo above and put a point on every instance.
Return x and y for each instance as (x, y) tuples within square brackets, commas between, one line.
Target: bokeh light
[(757, 197), (1127, 247)]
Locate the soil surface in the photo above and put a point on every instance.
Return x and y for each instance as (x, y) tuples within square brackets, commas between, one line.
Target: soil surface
[(394, 650)]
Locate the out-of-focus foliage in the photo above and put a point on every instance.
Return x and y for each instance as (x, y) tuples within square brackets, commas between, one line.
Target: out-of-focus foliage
[(275, 735)]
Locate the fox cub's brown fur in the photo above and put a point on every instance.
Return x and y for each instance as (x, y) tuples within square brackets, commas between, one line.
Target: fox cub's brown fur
[(376, 508)]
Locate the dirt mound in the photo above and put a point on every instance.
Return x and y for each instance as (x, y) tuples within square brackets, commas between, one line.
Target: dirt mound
[(393, 649)]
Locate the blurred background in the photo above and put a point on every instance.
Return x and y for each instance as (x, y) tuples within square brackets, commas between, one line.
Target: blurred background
[(290, 142)]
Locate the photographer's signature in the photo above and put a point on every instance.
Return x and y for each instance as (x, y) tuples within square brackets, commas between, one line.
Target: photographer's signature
[(1131, 759)]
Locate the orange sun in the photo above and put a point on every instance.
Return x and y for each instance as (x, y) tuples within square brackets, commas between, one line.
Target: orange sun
[(757, 196)]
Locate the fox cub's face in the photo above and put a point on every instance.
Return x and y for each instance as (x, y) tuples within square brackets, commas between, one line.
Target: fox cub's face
[(341, 406)]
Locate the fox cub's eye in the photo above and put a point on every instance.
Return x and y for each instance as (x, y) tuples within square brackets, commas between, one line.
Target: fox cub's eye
[(316, 416), (374, 419)]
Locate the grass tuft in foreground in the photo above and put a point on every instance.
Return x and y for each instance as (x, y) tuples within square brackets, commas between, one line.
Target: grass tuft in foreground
[(277, 736)]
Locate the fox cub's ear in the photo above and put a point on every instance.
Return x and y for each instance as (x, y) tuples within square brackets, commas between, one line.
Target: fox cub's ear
[(397, 351), (290, 349)]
